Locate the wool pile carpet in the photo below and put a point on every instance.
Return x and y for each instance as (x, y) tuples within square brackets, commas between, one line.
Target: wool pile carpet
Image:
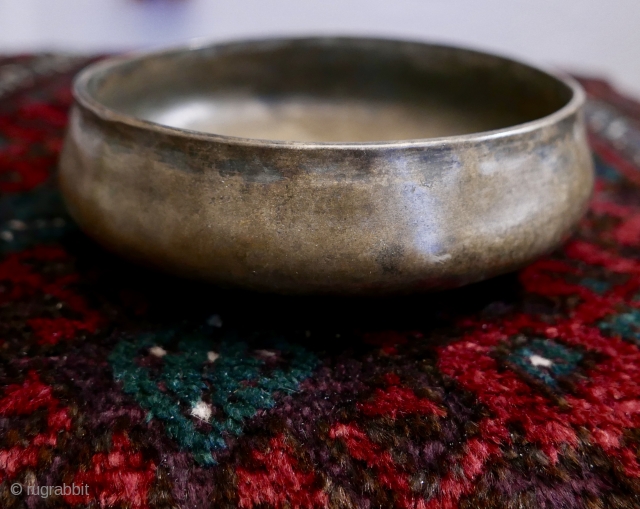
[(135, 390)]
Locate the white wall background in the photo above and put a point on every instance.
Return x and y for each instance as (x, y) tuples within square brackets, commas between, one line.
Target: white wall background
[(600, 37)]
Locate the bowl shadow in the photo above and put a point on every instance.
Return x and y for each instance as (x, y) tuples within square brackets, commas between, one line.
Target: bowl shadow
[(125, 288)]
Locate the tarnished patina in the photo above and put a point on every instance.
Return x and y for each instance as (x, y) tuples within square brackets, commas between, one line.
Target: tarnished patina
[(328, 165)]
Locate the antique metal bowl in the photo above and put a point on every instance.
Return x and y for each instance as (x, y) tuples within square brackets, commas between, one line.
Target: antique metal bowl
[(326, 165)]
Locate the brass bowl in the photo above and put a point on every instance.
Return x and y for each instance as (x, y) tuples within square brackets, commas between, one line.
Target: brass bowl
[(326, 165)]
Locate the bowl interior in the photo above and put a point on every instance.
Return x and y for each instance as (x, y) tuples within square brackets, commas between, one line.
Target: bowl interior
[(328, 90)]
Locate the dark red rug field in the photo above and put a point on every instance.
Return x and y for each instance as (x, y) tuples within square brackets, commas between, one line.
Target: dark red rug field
[(142, 391)]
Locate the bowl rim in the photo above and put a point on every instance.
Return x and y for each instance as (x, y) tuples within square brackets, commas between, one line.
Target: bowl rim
[(81, 94)]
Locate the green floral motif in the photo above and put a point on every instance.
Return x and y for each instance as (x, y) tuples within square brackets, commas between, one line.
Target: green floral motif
[(546, 360), (31, 218), (228, 377), (626, 325), (606, 172), (596, 285)]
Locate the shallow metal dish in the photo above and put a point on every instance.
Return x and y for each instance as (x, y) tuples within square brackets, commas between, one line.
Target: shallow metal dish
[(330, 165)]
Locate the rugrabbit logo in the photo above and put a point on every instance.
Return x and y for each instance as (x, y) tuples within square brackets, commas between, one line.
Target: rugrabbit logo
[(47, 491)]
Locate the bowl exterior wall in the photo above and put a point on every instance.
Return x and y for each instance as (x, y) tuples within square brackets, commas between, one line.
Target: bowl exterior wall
[(326, 220)]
